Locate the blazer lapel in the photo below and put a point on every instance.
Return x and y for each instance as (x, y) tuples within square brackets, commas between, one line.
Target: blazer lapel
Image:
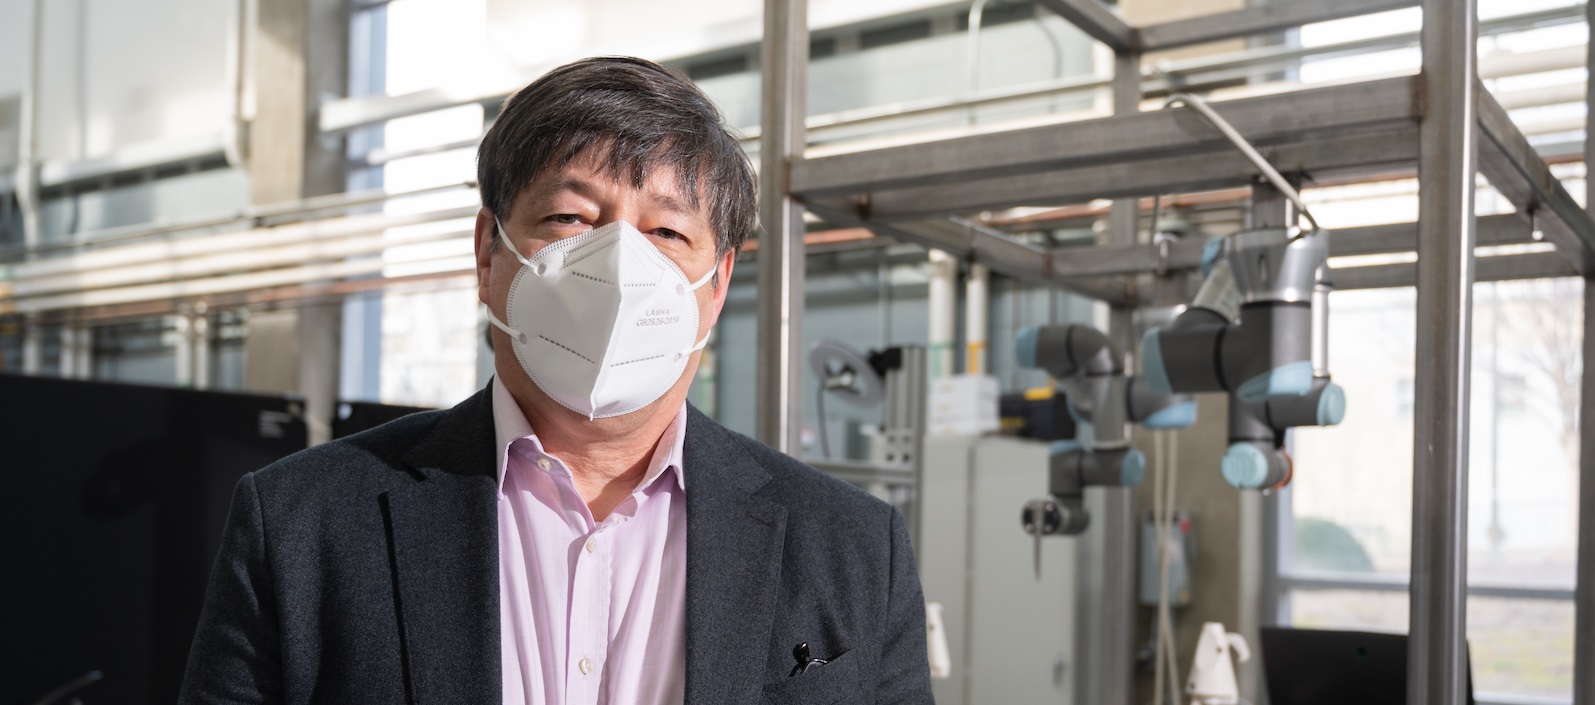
[(734, 544), (443, 549)]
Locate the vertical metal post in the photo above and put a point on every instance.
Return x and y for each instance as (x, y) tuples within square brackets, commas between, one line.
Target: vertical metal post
[(1584, 591), (942, 300), (32, 346), (1116, 628), (1269, 208), (77, 351), (784, 60), (183, 352), (1448, 162), (27, 174), (199, 347)]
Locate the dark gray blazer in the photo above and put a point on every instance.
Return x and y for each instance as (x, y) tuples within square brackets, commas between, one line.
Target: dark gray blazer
[(366, 571)]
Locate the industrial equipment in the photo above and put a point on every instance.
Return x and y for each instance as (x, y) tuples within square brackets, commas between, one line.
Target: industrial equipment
[(1102, 399), (1257, 329)]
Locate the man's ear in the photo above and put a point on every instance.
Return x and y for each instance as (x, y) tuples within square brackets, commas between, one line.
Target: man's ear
[(485, 232), (722, 281)]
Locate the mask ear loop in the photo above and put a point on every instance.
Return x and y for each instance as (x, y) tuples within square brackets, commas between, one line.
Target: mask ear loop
[(511, 332), (694, 287), (510, 245)]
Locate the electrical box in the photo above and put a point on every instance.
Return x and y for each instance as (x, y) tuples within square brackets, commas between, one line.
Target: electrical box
[(1011, 637)]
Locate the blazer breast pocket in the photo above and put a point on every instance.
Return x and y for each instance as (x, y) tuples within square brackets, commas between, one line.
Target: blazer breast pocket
[(833, 683)]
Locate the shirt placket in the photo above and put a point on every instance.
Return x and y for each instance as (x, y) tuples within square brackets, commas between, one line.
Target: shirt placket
[(591, 589)]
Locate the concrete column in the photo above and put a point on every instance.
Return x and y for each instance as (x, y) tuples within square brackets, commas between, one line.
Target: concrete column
[(301, 54)]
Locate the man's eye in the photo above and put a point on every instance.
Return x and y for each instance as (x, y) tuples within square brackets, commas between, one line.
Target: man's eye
[(566, 218), (669, 234)]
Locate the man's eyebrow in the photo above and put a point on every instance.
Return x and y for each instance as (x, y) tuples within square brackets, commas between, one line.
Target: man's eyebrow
[(671, 203), (573, 185)]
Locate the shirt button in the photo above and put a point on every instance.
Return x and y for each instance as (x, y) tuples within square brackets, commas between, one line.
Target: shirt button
[(592, 545), (586, 666), (543, 463)]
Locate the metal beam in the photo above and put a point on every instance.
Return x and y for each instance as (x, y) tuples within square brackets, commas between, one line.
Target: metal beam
[(1216, 166), (1089, 262), (992, 248), (1448, 152), (785, 60), (1319, 112), (1258, 19), (1373, 583), (1533, 265), (1516, 170), (1095, 19), (1403, 237)]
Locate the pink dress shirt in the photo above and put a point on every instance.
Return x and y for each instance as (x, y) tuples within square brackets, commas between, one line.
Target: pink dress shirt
[(589, 612)]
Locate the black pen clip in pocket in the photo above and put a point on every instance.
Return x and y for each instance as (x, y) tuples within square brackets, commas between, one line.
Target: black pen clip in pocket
[(804, 661), (819, 682)]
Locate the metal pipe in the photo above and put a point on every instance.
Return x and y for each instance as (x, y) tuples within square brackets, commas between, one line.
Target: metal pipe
[(1320, 326), (183, 325), (27, 174), (234, 145), (942, 303), (977, 298), (1448, 163), (280, 213), (977, 13), (1246, 148), (199, 351), (784, 63)]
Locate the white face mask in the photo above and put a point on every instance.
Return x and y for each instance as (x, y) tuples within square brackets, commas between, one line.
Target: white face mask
[(603, 321)]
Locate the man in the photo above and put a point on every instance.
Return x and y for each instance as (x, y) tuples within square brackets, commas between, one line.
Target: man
[(574, 533)]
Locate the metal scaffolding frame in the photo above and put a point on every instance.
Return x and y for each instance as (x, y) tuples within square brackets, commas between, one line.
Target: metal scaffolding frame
[(1442, 123)]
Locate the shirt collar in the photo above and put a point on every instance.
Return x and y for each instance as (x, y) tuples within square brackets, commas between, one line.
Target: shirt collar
[(510, 425)]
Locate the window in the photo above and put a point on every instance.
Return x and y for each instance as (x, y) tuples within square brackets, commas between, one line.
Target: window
[(1345, 563)]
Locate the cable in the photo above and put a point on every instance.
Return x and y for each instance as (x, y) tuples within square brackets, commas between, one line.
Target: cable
[(1163, 496), (1171, 442), (1158, 666), (1256, 158)]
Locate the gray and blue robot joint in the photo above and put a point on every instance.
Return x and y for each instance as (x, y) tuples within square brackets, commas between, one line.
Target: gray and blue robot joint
[(1102, 399), (1258, 329)]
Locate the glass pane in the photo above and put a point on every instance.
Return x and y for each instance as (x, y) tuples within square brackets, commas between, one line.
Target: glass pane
[(1521, 647), (1523, 499), (1352, 491)]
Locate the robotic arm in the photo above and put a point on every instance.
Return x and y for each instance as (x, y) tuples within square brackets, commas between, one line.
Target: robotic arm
[(1250, 330), (1258, 330), (1102, 400)]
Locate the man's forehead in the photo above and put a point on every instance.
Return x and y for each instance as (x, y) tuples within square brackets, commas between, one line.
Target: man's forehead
[(594, 176)]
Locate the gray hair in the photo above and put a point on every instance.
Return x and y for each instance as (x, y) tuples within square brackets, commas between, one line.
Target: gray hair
[(636, 116)]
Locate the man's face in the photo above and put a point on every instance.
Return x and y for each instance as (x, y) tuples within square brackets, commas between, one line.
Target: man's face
[(568, 202)]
